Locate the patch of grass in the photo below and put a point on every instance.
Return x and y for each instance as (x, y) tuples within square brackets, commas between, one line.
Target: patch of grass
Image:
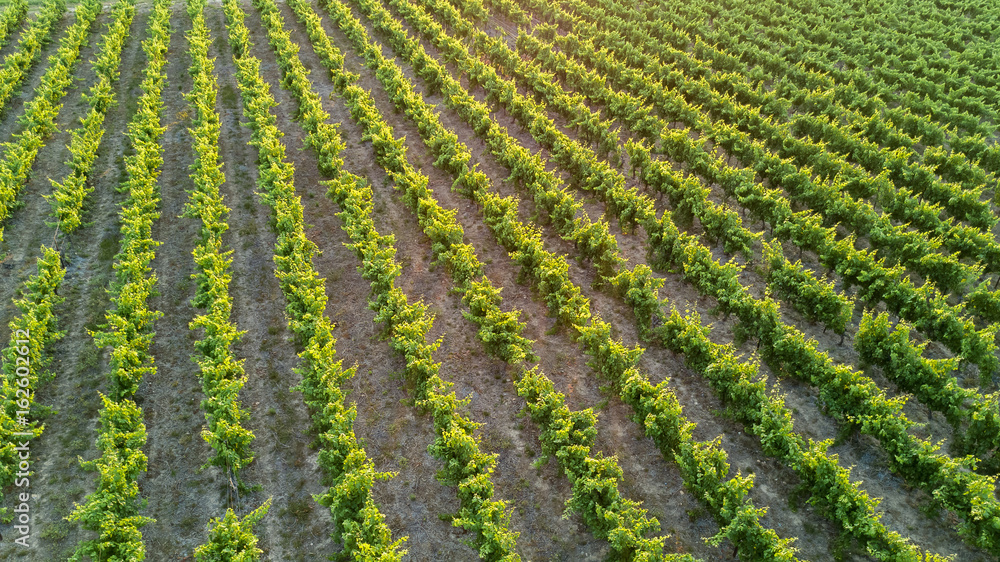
[(73, 440), (379, 206), (90, 358), (930, 509), (795, 498), (696, 514), (129, 151), (227, 94), (335, 275), (55, 531), (183, 288), (841, 546), (97, 302), (493, 442), (540, 462), (374, 414), (78, 445), (300, 508), (109, 247), (284, 431), (189, 523), (248, 230), (845, 432)]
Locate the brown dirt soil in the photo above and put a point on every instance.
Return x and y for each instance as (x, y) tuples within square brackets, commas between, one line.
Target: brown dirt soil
[(182, 496)]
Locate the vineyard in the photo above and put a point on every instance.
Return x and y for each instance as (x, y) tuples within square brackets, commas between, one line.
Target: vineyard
[(510, 280)]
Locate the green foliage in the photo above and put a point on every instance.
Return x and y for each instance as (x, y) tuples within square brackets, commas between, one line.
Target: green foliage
[(222, 374), (500, 214), (745, 394), (791, 352), (112, 510), (786, 349), (639, 288), (25, 360), (11, 18), (973, 415), (67, 197), (407, 324), (624, 521), (43, 108), (681, 99), (499, 331), (231, 539), (358, 524), (816, 300)]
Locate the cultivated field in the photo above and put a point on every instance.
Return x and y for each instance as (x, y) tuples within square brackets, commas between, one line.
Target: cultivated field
[(515, 280)]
